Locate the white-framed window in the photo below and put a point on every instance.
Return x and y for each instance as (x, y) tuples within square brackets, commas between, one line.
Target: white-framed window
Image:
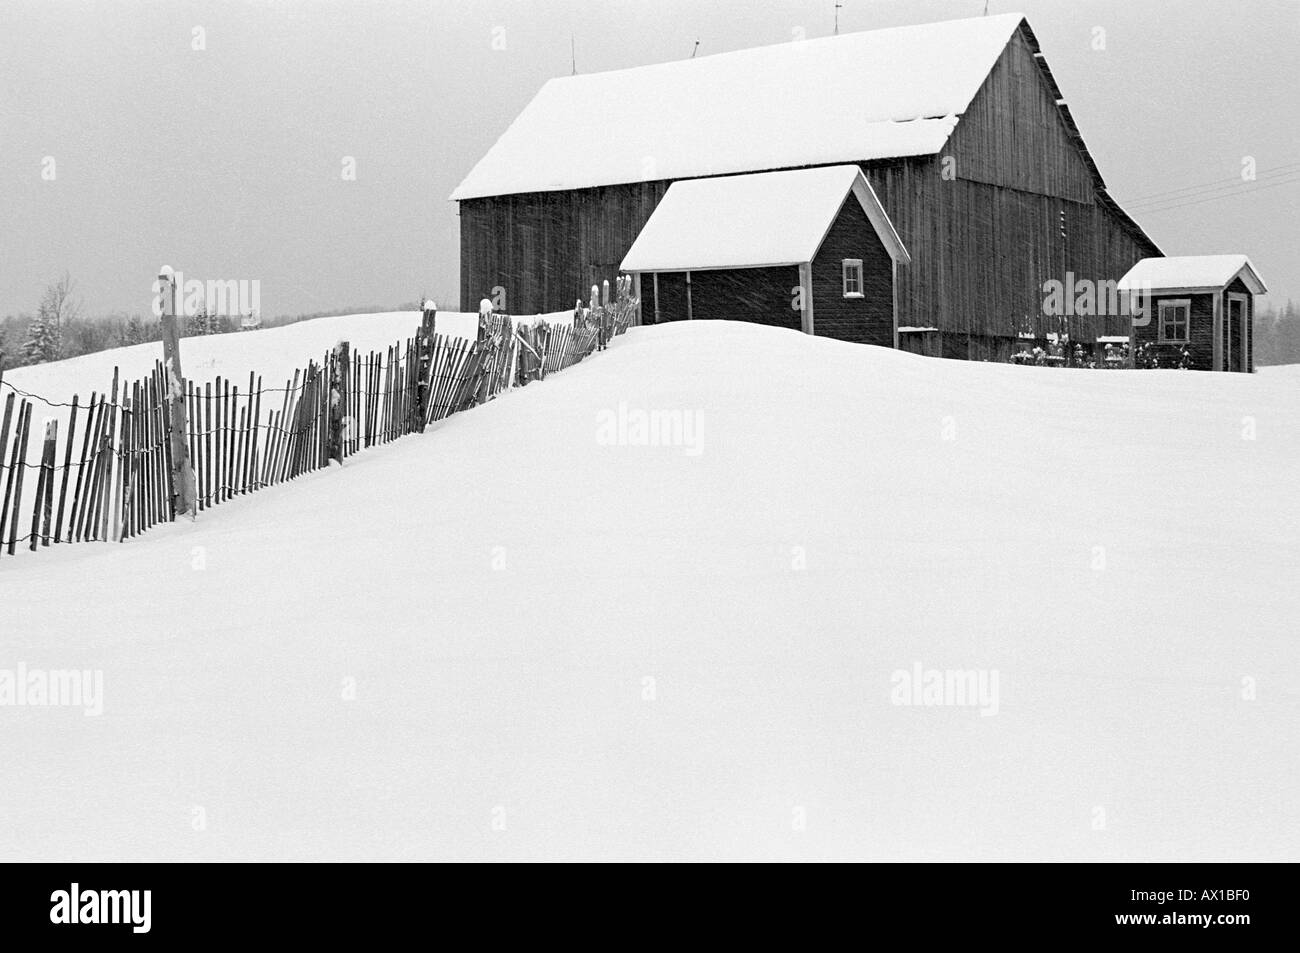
[(1175, 320), (852, 277)]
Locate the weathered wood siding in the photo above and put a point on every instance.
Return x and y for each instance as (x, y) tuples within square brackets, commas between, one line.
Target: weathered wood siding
[(546, 249), (926, 343), (869, 319), (1013, 134), (1202, 330), (760, 295), (672, 297), (1200, 334)]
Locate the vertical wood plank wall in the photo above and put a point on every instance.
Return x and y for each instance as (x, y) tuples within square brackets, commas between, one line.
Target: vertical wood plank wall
[(870, 318)]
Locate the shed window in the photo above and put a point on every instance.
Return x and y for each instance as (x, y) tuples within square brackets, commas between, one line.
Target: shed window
[(853, 277), (1175, 320)]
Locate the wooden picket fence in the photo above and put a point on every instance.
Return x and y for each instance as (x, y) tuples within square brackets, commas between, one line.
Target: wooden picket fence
[(104, 471)]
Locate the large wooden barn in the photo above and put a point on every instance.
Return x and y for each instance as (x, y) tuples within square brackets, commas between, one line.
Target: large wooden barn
[(959, 128)]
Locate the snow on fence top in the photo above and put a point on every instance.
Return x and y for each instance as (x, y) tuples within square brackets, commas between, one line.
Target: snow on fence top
[(848, 98), (749, 221), (1191, 271)]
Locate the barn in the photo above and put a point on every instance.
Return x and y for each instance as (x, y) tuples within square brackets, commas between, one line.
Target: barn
[(1195, 311), (959, 129), (807, 249)]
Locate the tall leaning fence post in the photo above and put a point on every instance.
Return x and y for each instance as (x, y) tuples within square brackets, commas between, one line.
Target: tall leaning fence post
[(598, 316), (492, 350), (182, 473), (340, 359), (425, 341)]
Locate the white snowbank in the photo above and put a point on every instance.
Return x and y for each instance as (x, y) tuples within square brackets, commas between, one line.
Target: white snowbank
[(617, 651)]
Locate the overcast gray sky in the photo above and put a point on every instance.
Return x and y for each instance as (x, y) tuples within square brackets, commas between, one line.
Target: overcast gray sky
[(226, 162)]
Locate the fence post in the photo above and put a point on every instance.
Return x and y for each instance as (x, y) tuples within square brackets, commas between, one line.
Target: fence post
[(45, 494), (425, 344), (511, 337), (182, 474), (598, 318), (128, 458), (341, 360), (492, 350)]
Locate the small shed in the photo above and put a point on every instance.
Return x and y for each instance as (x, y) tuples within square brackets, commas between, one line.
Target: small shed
[(1201, 304), (805, 249)]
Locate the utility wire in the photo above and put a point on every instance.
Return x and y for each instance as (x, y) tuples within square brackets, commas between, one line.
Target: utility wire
[(1226, 195), (1158, 198)]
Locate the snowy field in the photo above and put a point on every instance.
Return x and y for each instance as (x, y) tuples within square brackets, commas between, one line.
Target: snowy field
[(521, 635), (275, 353)]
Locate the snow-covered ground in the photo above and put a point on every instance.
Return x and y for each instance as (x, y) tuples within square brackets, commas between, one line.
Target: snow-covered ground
[(522, 636), (274, 353)]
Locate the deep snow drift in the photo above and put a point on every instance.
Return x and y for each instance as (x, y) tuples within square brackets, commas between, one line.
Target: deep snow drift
[(520, 636)]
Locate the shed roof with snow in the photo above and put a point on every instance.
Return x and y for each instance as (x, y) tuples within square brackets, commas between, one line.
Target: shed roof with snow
[(1192, 273), (862, 96), (754, 221)]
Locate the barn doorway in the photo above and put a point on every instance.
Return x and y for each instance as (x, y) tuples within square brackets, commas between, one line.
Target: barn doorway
[(1235, 346)]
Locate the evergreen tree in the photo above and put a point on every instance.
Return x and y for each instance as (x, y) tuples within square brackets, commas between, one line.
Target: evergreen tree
[(130, 330), (200, 323), (42, 339), (1277, 335)]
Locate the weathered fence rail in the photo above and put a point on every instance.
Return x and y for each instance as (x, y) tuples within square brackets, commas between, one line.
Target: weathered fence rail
[(104, 471)]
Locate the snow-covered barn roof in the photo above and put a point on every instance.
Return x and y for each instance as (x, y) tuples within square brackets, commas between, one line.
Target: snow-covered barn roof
[(1190, 273), (848, 98), (756, 220)]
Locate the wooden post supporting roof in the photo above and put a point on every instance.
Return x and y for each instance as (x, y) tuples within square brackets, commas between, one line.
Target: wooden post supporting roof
[(1218, 330), (894, 286), (806, 298)]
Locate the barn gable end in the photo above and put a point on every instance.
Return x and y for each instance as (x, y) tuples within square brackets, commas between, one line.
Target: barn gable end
[(1014, 135), (869, 319)]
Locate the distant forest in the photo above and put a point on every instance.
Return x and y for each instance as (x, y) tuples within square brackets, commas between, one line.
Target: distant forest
[(1277, 335)]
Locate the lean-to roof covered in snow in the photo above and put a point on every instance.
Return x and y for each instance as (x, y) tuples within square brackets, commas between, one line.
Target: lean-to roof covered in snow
[(848, 98), (1189, 272), (750, 221)]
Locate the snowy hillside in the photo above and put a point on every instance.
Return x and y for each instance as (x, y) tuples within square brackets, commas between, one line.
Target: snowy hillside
[(521, 636), (275, 353)]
